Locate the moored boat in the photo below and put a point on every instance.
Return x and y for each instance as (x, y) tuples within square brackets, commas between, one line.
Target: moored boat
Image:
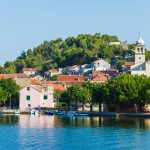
[(17, 112), (81, 114), (71, 113), (49, 112), (61, 113), (34, 112)]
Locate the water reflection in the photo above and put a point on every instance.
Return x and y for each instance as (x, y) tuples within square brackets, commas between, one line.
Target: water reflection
[(36, 121), (43, 121), (72, 133), (9, 120)]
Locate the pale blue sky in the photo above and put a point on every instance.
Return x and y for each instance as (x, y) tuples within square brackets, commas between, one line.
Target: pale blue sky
[(27, 23)]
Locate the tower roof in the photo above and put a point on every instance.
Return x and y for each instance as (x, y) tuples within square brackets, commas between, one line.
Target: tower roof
[(140, 41)]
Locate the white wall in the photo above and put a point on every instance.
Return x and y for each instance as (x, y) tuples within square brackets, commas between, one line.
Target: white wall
[(36, 98)]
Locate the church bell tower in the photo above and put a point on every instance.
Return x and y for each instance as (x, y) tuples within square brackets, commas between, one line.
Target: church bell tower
[(140, 51)]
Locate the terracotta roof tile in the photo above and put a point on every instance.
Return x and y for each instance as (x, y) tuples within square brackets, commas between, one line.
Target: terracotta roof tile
[(37, 88), (98, 76), (17, 75), (70, 78), (128, 64), (46, 82), (21, 75), (58, 87), (34, 82), (6, 76)]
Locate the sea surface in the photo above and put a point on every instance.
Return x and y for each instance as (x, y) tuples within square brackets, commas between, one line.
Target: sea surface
[(25, 132)]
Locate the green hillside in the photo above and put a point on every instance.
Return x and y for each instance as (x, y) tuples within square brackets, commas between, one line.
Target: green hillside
[(60, 53)]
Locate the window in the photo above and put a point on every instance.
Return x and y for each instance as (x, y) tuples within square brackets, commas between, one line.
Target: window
[(142, 49), (45, 97), (139, 57), (28, 88), (28, 97)]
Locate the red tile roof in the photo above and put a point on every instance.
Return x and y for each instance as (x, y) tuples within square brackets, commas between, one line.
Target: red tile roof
[(6, 76), (17, 75), (70, 83), (62, 82), (128, 64), (98, 76), (21, 75), (72, 78), (110, 72), (47, 82), (58, 87), (34, 82), (37, 88)]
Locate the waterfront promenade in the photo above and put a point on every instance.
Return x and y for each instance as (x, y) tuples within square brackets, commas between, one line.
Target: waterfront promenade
[(101, 114)]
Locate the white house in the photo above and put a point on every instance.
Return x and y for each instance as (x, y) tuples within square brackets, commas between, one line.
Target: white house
[(100, 65), (141, 67), (30, 71), (36, 96), (85, 69), (37, 77), (72, 70), (53, 72)]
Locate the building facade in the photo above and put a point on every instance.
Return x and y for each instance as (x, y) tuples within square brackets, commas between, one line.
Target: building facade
[(30, 71), (141, 67), (100, 65), (36, 96)]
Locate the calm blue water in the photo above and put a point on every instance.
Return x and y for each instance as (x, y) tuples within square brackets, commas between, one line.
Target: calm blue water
[(26, 132)]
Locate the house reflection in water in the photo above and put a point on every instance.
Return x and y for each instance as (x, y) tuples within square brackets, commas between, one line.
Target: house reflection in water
[(41, 121)]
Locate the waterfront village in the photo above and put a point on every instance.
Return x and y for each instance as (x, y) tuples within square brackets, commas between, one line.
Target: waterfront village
[(43, 90)]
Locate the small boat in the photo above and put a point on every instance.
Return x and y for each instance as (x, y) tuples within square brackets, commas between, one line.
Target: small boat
[(61, 113), (49, 112), (81, 114), (71, 113), (17, 112), (34, 112)]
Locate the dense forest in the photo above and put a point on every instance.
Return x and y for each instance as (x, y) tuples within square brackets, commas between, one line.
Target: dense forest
[(74, 50)]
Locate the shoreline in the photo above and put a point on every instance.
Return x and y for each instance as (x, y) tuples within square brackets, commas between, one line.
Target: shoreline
[(100, 114)]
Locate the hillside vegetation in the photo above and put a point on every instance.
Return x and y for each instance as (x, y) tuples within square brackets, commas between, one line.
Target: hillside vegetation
[(60, 53)]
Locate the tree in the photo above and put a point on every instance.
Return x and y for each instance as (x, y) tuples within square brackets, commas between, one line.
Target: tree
[(59, 53), (57, 95), (100, 94), (10, 89), (147, 55), (129, 89), (65, 98), (88, 93), (75, 94), (3, 96)]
